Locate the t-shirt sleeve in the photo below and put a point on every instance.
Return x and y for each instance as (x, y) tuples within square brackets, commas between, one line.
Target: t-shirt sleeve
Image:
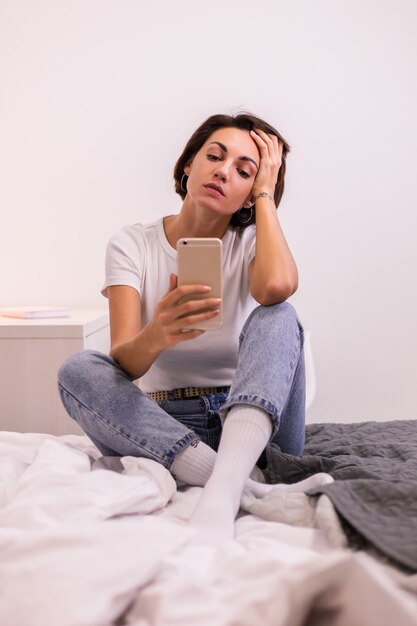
[(125, 259)]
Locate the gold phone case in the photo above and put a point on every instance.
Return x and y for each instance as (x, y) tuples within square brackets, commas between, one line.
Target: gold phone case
[(199, 261)]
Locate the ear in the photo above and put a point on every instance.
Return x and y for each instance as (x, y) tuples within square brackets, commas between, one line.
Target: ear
[(248, 202), (187, 168)]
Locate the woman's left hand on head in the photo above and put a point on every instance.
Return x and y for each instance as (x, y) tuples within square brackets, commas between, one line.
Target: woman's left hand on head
[(270, 150)]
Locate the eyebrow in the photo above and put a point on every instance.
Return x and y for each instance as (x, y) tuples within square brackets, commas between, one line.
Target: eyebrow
[(242, 158)]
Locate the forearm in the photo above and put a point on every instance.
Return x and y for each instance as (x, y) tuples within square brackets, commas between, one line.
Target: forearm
[(138, 354), (274, 275)]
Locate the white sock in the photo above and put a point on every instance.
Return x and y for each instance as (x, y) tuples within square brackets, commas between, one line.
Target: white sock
[(194, 465), (261, 490), (246, 432)]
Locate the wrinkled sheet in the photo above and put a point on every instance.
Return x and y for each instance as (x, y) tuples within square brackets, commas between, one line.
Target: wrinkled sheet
[(374, 465), (88, 541)]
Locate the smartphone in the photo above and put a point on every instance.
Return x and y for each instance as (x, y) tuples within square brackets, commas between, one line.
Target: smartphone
[(199, 262)]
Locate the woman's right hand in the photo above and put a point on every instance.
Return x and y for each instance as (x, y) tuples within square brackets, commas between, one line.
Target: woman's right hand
[(171, 319)]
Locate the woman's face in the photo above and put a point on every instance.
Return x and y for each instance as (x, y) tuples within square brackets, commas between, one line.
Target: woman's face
[(222, 173)]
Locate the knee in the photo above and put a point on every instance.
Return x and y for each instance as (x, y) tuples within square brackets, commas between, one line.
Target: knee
[(280, 315), (78, 367)]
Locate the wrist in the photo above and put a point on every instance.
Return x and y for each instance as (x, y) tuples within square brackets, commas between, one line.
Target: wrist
[(263, 194), (150, 341)]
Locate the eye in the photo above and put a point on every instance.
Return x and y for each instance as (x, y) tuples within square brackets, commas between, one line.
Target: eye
[(213, 157), (243, 173)]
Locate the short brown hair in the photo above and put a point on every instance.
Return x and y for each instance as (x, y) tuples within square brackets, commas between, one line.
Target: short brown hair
[(243, 121)]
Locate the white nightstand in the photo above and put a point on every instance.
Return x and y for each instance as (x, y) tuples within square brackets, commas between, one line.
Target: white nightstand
[(31, 353)]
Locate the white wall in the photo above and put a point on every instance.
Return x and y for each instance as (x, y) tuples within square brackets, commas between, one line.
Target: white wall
[(98, 97)]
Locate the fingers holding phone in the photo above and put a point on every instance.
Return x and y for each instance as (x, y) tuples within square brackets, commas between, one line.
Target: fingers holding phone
[(196, 310), (181, 312)]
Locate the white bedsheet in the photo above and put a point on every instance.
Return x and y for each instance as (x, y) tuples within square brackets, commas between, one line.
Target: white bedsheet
[(84, 545)]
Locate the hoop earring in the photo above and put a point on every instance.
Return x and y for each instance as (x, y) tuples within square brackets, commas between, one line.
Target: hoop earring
[(245, 215), (181, 185)]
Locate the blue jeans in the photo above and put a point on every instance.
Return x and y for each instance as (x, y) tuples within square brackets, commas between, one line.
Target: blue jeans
[(123, 421)]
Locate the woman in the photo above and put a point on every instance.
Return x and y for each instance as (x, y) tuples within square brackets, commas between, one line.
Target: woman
[(208, 402)]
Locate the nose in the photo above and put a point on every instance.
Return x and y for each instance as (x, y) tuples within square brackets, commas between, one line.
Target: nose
[(222, 171)]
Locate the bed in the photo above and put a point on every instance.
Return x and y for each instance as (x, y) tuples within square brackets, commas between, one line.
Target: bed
[(87, 540)]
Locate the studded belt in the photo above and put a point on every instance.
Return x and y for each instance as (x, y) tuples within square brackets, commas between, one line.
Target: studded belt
[(186, 392)]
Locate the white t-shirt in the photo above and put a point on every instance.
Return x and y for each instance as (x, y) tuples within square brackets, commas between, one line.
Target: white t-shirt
[(141, 257)]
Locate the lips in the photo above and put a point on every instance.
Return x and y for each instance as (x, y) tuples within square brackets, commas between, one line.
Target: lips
[(215, 187)]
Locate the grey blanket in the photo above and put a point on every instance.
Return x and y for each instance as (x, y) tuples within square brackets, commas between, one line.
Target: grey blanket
[(374, 465)]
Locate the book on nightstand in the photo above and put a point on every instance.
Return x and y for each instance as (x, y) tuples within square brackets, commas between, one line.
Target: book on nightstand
[(35, 312)]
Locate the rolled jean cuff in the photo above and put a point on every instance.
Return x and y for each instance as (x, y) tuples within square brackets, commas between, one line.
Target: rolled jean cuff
[(179, 446), (255, 400)]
